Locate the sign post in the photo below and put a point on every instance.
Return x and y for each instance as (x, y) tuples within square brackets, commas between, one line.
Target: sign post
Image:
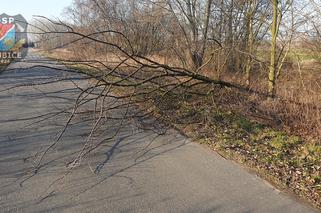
[(13, 38)]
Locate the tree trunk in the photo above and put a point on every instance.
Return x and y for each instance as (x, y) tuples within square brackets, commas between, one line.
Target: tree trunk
[(230, 38), (250, 42), (273, 63)]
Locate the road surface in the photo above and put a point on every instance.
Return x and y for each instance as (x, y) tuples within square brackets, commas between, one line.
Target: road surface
[(138, 171)]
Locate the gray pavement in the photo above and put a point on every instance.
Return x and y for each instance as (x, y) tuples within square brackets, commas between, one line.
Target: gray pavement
[(137, 171)]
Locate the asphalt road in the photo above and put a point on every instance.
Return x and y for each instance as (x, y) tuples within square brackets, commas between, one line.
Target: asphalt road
[(138, 171)]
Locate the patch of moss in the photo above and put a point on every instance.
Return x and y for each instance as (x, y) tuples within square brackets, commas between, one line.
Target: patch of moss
[(249, 126), (311, 152), (278, 142), (218, 118)]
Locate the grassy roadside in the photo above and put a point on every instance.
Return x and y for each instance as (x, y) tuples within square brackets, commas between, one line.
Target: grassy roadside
[(288, 161)]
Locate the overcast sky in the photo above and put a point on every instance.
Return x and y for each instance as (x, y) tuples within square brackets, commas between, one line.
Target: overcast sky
[(28, 8)]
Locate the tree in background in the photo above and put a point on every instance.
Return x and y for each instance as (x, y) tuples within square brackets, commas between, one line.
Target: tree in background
[(274, 34)]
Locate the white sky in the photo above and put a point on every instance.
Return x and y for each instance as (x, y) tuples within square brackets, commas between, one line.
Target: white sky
[(28, 8)]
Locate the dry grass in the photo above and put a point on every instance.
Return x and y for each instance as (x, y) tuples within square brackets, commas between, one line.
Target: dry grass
[(297, 108)]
